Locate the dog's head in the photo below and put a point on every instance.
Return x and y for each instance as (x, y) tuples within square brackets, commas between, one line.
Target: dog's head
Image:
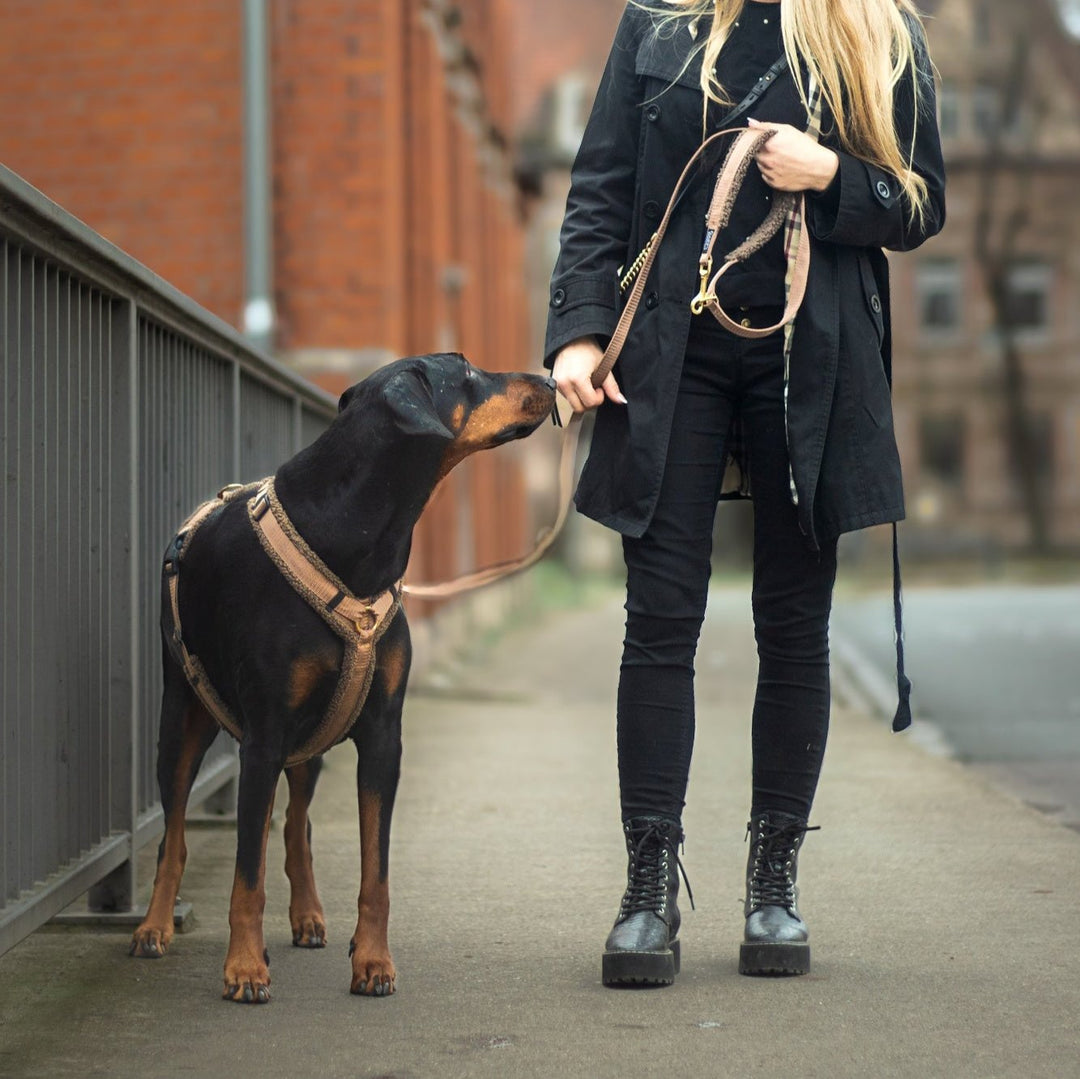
[(451, 405)]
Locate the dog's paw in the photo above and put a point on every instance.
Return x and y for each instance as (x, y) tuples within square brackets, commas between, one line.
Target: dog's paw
[(373, 975), (309, 930), (149, 943), (247, 981)]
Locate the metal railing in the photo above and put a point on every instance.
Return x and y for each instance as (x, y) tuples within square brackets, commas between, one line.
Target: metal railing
[(124, 404)]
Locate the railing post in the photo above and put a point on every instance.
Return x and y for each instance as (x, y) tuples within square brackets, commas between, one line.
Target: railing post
[(221, 805), (237, 450), (117, 891), (111, 377)]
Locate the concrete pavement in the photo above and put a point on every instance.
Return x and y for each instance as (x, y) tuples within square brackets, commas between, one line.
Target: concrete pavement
[(944, 916)]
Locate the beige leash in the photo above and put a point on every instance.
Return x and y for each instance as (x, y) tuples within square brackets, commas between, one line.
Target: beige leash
[(732, 173)]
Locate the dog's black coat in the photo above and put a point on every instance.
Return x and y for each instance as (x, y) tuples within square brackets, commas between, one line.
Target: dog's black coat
[(355, 496)]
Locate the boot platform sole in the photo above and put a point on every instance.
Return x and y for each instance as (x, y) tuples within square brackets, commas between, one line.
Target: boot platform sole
[(774, 960), (642, 968)]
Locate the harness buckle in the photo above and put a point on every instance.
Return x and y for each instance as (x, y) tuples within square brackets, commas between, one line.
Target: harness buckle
[(366, 623), (260, 505), (171, 564)]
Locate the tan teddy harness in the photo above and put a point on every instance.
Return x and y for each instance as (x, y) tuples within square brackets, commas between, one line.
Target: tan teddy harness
[(358, 622)]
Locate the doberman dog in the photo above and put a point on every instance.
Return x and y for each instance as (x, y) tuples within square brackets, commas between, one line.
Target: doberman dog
[(354, 496)]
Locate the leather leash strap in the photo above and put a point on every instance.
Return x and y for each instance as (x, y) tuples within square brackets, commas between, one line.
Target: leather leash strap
[(734, 170), (728, 183)]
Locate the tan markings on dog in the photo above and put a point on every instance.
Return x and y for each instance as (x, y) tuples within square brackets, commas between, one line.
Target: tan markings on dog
[(458, 417), (305, 910), (373, 972), (484, 423), (247, 975), (392, 664), (152, 938), (306, 673), (488, 419)]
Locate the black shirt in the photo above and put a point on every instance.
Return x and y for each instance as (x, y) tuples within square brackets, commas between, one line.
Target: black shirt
[(754, 45)]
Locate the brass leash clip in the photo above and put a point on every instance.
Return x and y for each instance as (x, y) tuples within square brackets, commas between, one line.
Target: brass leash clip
[(697, 304)]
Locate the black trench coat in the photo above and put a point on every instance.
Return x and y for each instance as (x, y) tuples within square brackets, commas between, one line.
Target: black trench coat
[(645, 124)]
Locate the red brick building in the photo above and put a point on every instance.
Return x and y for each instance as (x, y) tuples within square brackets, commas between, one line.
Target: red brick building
[(396, 224)]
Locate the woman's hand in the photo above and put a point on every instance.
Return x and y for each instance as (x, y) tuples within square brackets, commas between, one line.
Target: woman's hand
[(792, 161), (573, 370)]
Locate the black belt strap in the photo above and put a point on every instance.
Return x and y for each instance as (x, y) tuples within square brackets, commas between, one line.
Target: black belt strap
[(902, 719)]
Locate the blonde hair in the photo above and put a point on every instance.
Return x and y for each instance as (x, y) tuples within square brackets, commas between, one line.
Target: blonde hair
[(857, 51)]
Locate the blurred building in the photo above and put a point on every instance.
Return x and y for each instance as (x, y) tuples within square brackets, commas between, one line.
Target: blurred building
[(986, 322), (560, 50), (393, 225), (985, 319)]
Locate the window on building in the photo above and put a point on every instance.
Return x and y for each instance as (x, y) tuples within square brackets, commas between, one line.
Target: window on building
[(938, 285), (941, 447), (986, 109), (948, 110), (571, 109), (1041, 436), (1029, 297)]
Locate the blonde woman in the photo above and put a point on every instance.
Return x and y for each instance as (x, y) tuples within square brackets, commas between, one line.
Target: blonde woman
[(686, 396)]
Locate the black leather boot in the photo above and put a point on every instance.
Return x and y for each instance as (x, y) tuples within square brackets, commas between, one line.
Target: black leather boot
[(776, 940), (643, 946)]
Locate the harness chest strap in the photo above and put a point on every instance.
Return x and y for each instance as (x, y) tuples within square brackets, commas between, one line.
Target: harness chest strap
[(358, 622)]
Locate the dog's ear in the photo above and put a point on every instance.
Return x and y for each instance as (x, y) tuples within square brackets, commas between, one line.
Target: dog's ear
[(346, 397), (412, 407)]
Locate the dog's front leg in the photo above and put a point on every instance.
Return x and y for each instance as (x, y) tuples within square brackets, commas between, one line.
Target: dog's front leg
[(373, 972), (305, 910), (247, 973), (378, 740)]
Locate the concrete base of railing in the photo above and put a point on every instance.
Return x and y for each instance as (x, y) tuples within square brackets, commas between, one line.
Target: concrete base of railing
[(183, 919)]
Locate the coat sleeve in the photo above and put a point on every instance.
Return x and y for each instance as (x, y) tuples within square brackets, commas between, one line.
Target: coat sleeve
[(864, 205), (596, 228)]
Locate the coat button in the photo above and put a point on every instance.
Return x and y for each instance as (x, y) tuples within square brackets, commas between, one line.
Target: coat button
[(883, 189), (652, 300), (558, 298), (651, 210), (875, 304), (745, 322), (652, 113)]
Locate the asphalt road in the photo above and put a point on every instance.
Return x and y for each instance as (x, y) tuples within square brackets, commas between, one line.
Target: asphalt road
[(996, 671)]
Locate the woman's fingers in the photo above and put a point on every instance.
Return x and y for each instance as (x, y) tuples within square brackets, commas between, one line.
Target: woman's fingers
[(587, 393), (573, 374), (612, 391), (791, 160), (576, 386)]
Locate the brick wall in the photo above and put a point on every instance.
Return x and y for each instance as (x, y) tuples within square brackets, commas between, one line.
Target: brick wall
[(555, 37), (132, 121), (397, 226)]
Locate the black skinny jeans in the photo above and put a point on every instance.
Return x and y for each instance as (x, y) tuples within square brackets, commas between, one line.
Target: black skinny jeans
[(668, 578)]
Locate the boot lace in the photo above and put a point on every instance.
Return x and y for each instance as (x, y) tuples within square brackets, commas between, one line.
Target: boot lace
[(772, 882), (647, 879)]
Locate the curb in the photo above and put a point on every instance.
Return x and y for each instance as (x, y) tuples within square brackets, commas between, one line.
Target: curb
[(864, 687)]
